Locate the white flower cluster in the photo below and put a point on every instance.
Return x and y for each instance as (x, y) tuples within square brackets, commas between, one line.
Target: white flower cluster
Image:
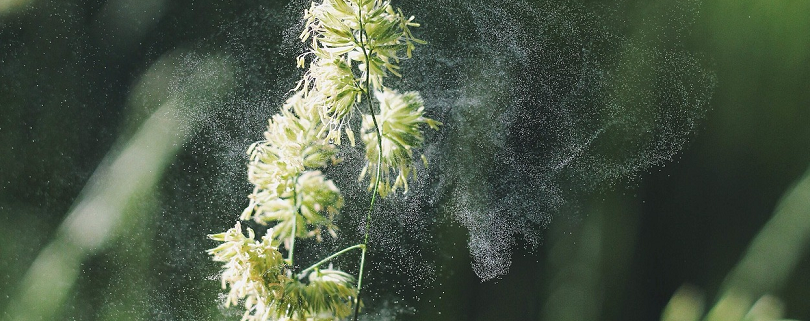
[(355, 44), (288, 190), (373, 36), (399, 120), (256, 273)]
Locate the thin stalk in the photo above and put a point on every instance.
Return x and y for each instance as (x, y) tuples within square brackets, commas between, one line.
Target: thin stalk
[(291, 255), (367, 55), (336, 254)]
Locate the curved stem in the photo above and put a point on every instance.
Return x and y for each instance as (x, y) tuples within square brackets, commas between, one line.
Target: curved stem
[(367, 55), (336, 254)]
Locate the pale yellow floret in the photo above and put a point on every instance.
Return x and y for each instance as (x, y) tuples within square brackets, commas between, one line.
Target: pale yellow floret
[(256, 274), (338, 39), (399, 120)]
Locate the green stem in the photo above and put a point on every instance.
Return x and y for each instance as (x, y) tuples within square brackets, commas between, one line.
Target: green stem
[(367, 55), (291, 255), (336, 254)]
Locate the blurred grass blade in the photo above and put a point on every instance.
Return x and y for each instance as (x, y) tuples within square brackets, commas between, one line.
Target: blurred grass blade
[(115, 185), (12, 6), (768, 262), (575, 292), (686, 305), (765, 309), (777, 248)]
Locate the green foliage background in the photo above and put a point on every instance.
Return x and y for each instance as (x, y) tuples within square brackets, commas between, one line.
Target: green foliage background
[(76, 84)]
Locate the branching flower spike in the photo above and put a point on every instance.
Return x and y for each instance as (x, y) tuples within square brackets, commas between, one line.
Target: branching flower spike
[(354, 46)]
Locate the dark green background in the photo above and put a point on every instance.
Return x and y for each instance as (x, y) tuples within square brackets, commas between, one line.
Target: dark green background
[(66, 73)]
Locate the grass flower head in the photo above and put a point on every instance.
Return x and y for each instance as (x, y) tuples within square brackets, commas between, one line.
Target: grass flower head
[(399, 120)]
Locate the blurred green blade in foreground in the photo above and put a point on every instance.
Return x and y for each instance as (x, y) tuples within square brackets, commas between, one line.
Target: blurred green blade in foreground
[(116, 184), (768, 262), (763, 270), (777, 248)]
